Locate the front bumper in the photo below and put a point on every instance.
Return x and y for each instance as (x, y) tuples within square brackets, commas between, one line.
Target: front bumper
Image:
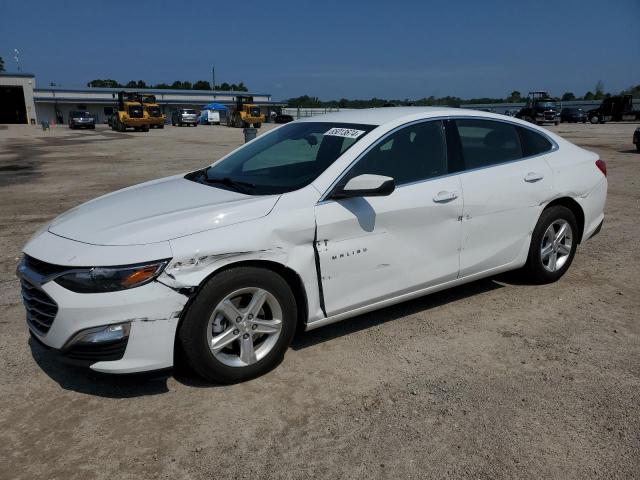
[(152, 311)]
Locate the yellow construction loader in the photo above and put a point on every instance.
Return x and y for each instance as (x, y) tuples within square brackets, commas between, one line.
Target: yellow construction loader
[(153, 110), (130, 113), (245, 114)]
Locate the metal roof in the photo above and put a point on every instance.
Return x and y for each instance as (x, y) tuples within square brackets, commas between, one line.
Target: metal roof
[(165, 91), (17, 74)]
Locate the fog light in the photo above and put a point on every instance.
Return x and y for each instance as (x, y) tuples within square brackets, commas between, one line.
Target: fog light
[(108, 333)]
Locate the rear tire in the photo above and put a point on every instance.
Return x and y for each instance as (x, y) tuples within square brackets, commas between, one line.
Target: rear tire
[(593, 120), (551, 251), (205, 321)]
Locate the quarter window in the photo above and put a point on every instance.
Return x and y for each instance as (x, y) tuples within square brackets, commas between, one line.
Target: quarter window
[(533, 143), (413, 153), (485, 142)]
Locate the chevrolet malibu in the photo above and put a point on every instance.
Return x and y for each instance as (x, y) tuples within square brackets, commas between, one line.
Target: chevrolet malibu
[(317, 221)]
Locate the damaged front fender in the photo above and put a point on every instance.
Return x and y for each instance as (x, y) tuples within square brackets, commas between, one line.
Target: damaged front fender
[(284, 237)]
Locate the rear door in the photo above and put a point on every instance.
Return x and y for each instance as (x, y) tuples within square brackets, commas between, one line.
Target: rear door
[(505, 182), (375, 248)]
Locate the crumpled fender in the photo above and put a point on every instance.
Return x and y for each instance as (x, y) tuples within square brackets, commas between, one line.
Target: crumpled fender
[(285, 236)]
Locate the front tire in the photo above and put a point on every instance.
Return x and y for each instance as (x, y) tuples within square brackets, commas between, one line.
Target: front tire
[(553, 245), (232, 332)]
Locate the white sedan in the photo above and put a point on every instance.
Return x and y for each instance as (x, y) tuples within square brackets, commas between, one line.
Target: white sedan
[(314, 222)]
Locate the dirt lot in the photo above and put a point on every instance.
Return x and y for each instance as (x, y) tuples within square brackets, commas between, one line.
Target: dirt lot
[(490, 380)]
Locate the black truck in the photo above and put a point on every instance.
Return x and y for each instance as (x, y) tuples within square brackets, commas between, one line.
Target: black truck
[(614, 109)]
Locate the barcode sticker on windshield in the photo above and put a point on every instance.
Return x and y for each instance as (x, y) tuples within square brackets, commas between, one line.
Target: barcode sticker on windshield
[(344, 132)]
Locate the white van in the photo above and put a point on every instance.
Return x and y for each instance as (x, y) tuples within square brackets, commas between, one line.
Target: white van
[(210, 117)]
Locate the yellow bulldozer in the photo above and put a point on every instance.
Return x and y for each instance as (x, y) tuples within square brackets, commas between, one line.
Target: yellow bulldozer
[(130, 113), (153, 110), (245, 113)]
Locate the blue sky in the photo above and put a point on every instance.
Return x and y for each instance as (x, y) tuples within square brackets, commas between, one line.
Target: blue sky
[(332, 49)]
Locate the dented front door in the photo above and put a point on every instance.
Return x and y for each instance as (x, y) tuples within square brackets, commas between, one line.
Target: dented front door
[(375, 248)]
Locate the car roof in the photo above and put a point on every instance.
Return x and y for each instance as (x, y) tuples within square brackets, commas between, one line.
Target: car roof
[(380, 116)]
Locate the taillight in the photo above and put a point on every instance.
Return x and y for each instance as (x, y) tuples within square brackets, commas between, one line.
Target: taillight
[(602, 166)]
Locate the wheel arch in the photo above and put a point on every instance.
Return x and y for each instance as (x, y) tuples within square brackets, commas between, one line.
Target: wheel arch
[(575, 208), (289, 275)]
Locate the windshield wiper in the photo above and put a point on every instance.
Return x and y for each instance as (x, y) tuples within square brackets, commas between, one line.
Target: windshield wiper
[(238, 185)]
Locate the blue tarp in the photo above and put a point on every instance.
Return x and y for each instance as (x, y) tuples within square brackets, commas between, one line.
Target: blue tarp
[(214, 106)]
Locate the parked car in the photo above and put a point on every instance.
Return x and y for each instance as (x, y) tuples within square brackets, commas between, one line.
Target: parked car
[(573, 115), (636, 138), (282, 118), (184, 116), (81, 119), (317, 221)]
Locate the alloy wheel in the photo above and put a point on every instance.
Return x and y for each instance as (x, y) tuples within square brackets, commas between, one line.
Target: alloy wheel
[(244, 327), (555, 248)]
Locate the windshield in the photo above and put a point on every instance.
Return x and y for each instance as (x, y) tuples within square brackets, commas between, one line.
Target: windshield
[(546, 105), (288, 159), (189, 112), (80, 114)]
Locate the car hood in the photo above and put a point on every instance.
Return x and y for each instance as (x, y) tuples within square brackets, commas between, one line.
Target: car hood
[(157, 211)]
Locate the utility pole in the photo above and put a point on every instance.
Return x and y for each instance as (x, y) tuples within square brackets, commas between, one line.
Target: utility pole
[(213, 81)]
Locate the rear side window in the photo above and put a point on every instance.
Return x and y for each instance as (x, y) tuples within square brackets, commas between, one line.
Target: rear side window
[(413, 153), (486, 142), (533, 143)]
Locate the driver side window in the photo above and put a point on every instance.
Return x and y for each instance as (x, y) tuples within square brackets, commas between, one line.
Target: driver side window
[(413, 153)]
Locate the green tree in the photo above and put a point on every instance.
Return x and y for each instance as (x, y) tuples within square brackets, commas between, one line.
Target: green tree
[(1, 64), (568, 96), (225, 87), (589, 96), (514, 97), (202, 85), (162, 86), (99, 83), (633, 90), (177, 85)]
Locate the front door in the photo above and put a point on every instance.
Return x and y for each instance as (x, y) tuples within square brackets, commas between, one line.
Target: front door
[(375, 248)]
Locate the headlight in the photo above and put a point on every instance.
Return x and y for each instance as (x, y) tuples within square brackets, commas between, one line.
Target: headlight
[(111, 279)]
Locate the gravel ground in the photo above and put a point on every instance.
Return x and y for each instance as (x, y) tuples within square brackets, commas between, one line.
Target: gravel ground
[(494, 379)]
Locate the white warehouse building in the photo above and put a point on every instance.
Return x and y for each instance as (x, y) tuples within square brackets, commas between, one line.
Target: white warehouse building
[(22, 102)]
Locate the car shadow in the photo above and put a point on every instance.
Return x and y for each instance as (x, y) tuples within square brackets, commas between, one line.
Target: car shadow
[(395, 312), (631, 150), (89, 382)]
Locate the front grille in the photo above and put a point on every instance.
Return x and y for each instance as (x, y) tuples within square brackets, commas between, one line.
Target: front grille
[(135, 112), (98, 352), (41, 308)]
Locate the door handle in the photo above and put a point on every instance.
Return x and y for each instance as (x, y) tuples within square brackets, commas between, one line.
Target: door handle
[(533, 177), (444, 196)]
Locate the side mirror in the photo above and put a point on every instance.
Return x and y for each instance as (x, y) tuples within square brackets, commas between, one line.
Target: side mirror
[(365, 185)]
